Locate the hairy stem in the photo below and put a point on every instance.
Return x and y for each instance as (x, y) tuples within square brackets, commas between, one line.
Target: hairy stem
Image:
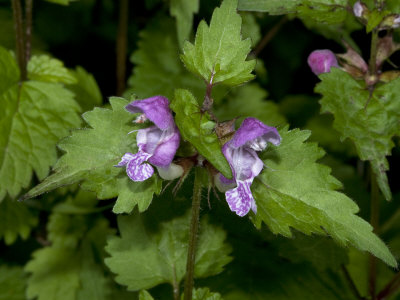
[(19, 38), (375, 224), (194, 227), (28, 28), (122, 42), (373, 52), (175, 286)]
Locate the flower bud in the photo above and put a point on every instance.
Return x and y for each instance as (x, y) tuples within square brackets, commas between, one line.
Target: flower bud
[(358, 9), (171, 172), (321, 61)]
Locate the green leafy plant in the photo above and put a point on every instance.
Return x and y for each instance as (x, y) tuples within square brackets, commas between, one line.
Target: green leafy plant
[(189, 183)]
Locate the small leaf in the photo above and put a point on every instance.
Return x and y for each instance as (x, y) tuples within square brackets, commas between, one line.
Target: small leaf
[(183, 11), (143, 259), (15, 220), (370, 123), (47, 69), (219, 53), (34, 116), (91, 155), (294, 191), (194, 127), (375, 17)]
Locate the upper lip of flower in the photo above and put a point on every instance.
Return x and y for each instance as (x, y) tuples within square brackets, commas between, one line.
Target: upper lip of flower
[(156, 110)]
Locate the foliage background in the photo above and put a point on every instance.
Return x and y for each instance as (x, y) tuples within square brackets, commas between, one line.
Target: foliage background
[(63, 233)]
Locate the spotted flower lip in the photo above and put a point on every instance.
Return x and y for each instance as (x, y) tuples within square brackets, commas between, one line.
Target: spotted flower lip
[(240, 152), (157, 144), (321, 61)]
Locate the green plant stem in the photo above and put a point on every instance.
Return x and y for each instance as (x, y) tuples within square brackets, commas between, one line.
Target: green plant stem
[(373, 52), (122, 43), (375, 224), (194, 228), (175, 286), (28, 28), (19, 38)]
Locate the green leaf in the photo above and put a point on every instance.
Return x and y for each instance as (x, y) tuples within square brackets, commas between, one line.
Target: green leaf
[(12, 283), (219, 53), (160, 72), (194, 127), (86, 90), (375, 17), (34, 116), (15, 220), (91, 155), (47, 69), (327, 11), (254, 106), (145, 295), (294, 191), (143, 259), (61, 2), (369, 123), (70, 269), (204, 294), (183, 11)]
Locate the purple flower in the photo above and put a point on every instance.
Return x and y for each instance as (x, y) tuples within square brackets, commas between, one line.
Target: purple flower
[(241, 154), (321, 61), (157, 144)]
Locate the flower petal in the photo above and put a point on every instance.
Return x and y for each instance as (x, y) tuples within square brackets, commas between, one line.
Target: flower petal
[(240, 199), (156, 110), (125, 159), (148, 139), (166, 148), (244, 161), (137, 170), (253, 130)]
